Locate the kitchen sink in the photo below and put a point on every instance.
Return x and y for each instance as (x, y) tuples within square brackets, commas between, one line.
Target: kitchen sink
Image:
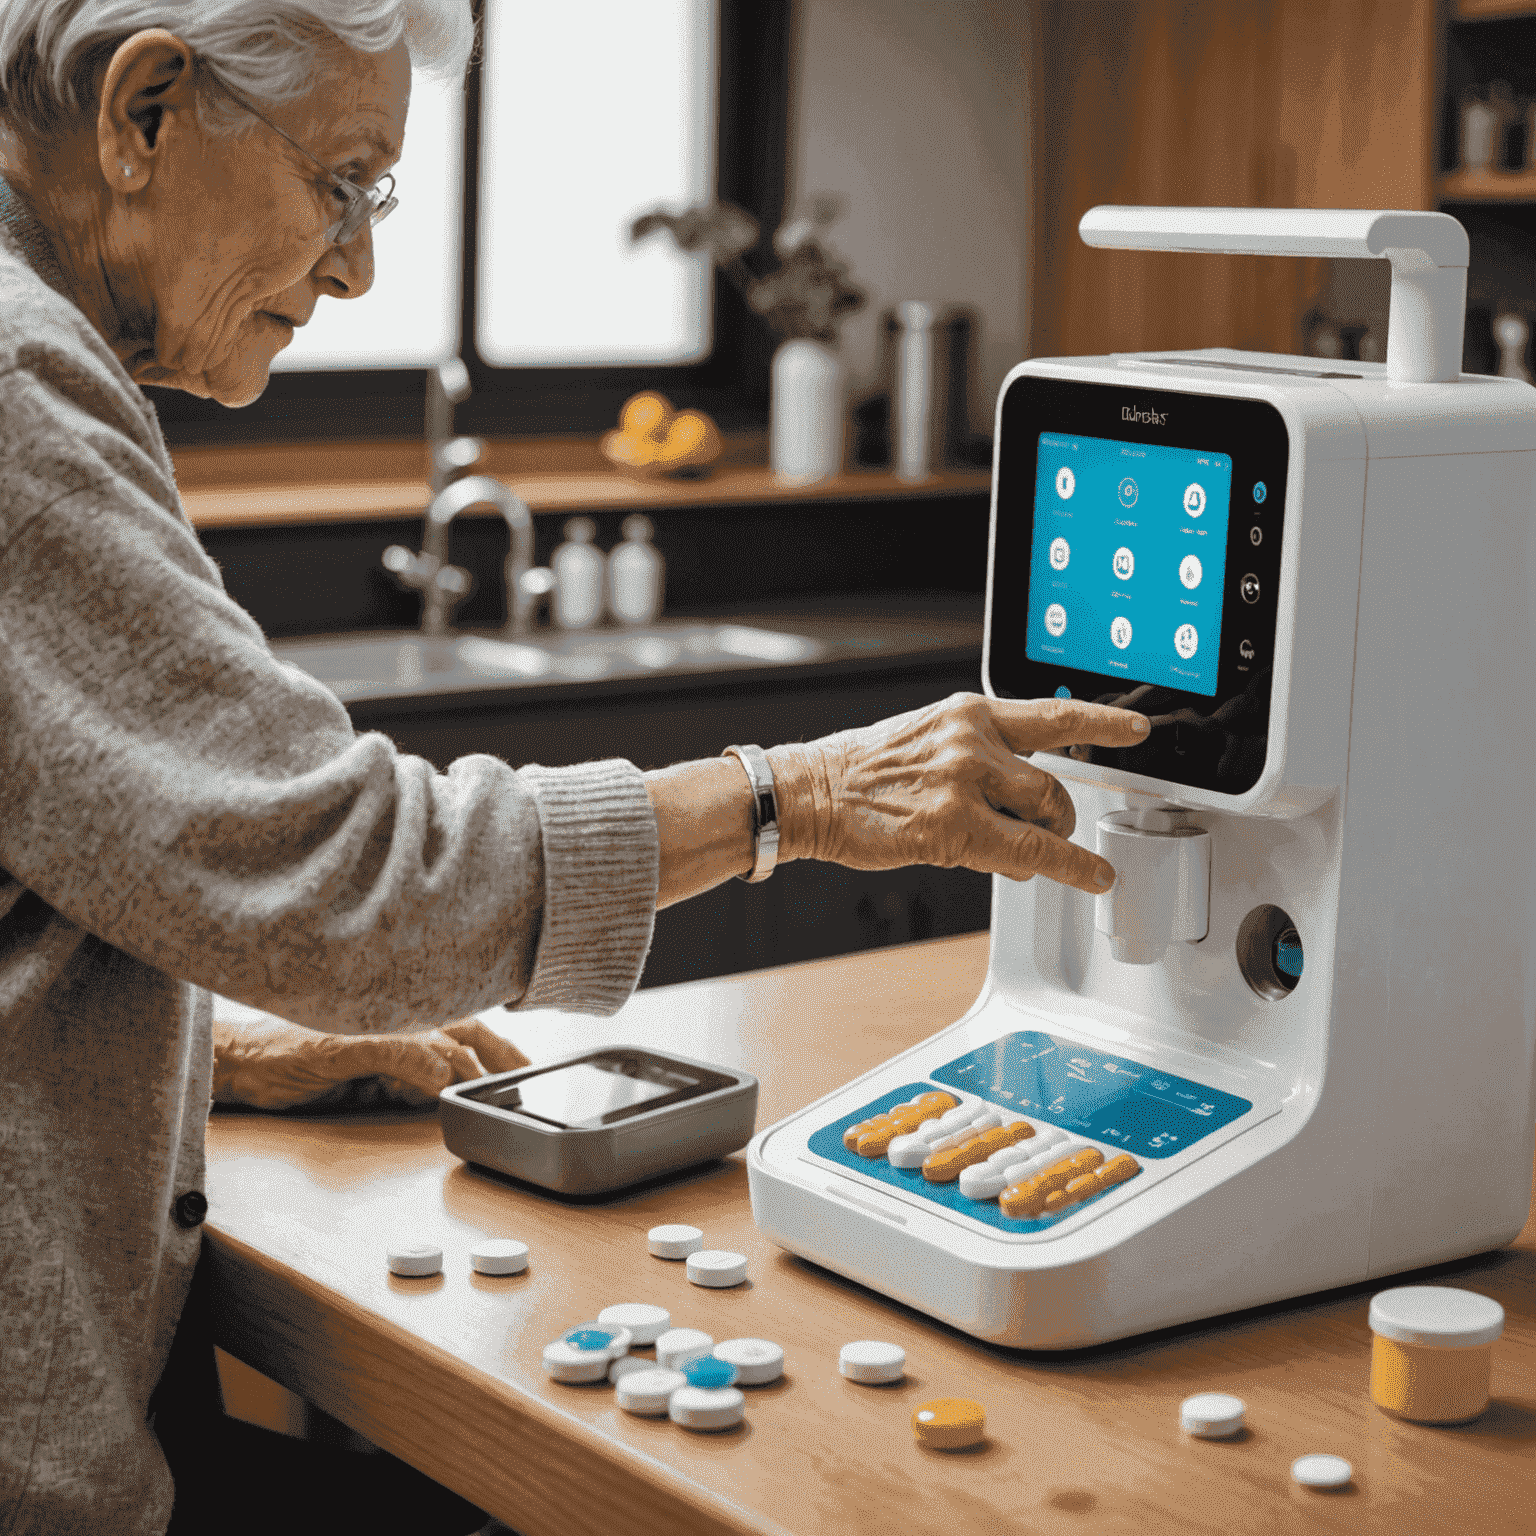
[(405, 662)]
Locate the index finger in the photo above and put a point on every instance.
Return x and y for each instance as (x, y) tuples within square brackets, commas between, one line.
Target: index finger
[(498, 1054), (1038, 725)]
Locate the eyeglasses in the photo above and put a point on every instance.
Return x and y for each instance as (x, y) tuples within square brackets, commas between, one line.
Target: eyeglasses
[(365, 205)]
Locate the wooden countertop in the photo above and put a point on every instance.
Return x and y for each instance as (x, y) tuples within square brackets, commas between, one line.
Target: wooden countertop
[(277, 485), (446, 1372)]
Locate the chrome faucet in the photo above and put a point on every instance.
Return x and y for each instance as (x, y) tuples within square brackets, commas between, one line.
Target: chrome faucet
[(448, 456), (442, 585)]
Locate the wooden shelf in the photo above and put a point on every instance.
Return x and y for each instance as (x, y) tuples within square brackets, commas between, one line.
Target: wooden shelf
[(575, 487), (1488, 187)]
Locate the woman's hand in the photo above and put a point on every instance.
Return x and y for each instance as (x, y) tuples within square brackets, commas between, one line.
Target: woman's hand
[(948, 785), (268, 1063)]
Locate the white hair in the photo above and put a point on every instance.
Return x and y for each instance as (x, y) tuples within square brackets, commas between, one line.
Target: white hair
[(51, 50)]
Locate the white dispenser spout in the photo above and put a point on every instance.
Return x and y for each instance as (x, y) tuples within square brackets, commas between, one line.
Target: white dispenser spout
[(1162, 890), (1428, 252)]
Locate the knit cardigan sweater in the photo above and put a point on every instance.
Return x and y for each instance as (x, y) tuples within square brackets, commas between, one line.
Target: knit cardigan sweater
[(183, 814)]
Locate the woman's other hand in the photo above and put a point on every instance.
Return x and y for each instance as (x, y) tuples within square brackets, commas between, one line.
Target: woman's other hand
[(267, 1063), (948, 785)]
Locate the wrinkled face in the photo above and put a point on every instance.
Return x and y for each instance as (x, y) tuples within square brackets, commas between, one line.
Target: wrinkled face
[(228, 248)]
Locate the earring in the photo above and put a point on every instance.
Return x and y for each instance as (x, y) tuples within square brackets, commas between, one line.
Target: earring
[(127, 169)]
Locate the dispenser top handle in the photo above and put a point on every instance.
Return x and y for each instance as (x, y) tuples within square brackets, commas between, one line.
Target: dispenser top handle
[(1428, 252)]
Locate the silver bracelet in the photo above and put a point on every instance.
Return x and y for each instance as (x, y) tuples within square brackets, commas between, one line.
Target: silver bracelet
[(765, 811)]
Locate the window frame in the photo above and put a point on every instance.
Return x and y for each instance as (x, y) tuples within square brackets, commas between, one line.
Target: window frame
[(731, 382)]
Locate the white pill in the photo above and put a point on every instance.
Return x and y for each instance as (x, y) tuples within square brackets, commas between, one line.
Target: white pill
[(603, 1339), (499, 1256), (626, 1365), (869, 1360), (645, 1323), (979, 1182), (953, 1119), (1211, 1415), (679, 1344), (647, 1391), (908, 1151), (1321, 1471), (674, 1242), (757, 1361), (706, 1407), (415, 1259), (565, 1362), (717, 1267)]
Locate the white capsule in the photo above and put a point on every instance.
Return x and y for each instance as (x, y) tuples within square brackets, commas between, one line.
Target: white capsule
[(648, 1391), (706, 1407), (679, 1344), (565, 1362), (757, 1361), (415, 1260), (645, 1323), (953, 1119), (979, 1182), (908, 1151), (1321, 1471), (717, 1267), (870, 1361), (499, 1256), (1211, 1415), (674, 1241)]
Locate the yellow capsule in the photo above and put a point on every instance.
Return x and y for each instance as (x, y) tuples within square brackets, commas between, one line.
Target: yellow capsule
[(1057, 1200), (935, 1103), (1022, 1201), (949, 1423), (1117, 1170), (1081, 1187), (876, 1142), (947, 1165), (852, 1134)]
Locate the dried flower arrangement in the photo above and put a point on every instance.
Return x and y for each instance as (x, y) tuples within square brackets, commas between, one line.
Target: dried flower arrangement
[(810, 292)]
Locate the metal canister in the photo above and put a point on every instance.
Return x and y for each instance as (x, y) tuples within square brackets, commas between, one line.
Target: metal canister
[(927, 372)]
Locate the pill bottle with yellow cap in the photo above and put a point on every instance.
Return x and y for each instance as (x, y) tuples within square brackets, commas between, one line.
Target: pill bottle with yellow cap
[(1433, 1352)]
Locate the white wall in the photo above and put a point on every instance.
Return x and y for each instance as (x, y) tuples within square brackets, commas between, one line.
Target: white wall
[(918, 111)]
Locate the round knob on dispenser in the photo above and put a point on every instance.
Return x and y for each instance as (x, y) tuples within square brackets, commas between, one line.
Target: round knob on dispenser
[(1162, 890)]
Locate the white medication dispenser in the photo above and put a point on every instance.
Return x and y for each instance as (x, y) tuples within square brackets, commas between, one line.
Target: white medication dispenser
[(1292, 1048)]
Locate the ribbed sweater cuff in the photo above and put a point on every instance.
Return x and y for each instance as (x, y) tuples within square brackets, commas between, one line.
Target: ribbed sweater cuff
[(601, 867)]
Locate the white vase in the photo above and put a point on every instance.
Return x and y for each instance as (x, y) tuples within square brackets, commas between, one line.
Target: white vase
[(807, 411)]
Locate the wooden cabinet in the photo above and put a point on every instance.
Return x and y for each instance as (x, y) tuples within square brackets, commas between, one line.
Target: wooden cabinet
[(1267, 103)]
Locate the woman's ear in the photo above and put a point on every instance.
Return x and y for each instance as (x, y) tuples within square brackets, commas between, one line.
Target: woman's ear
[(150, 76)]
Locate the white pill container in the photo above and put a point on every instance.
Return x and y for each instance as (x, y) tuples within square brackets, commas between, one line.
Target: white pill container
[(1432, 1355)]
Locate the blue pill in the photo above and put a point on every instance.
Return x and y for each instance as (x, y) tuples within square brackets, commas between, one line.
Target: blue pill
[(589, 1338), (708, 1372)]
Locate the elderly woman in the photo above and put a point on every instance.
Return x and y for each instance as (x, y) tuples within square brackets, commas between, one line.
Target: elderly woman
[(182, 815)]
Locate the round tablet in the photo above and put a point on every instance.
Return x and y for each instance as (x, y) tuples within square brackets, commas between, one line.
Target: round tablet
[(567, 1362), (645, 1323), (499, 1256), (757, 1361), (674, 1242), (609, 1343), (627, 1365), (415, 1259), (1321, 1471), (717, 1267), (679, 1344), (709, 1371), (949, 1423), (701, 1408), (869, 1360), (647, 1392), (1211, 1415)]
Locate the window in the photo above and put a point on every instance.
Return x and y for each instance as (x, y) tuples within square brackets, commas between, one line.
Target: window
[(575, 118)]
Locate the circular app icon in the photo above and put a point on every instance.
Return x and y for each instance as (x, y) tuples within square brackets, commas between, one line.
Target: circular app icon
[(1260, 490), (1128, 492), (1061, 552), (1194, 499), (1190, 571), (1120, 631), (1250, 588), (1185, 641), (1066, 482), (1125, 563), (1255, 535), (1063, 692), (1055, 619)]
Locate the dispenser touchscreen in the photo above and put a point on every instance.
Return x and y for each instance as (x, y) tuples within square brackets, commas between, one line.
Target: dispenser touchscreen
[(1128, 559)]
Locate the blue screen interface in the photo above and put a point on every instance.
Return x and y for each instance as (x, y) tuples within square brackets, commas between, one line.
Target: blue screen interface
[(1128, 560)]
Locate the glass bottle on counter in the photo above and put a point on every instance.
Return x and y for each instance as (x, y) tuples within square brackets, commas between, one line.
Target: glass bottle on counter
[(636, 574), (578, 568)]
